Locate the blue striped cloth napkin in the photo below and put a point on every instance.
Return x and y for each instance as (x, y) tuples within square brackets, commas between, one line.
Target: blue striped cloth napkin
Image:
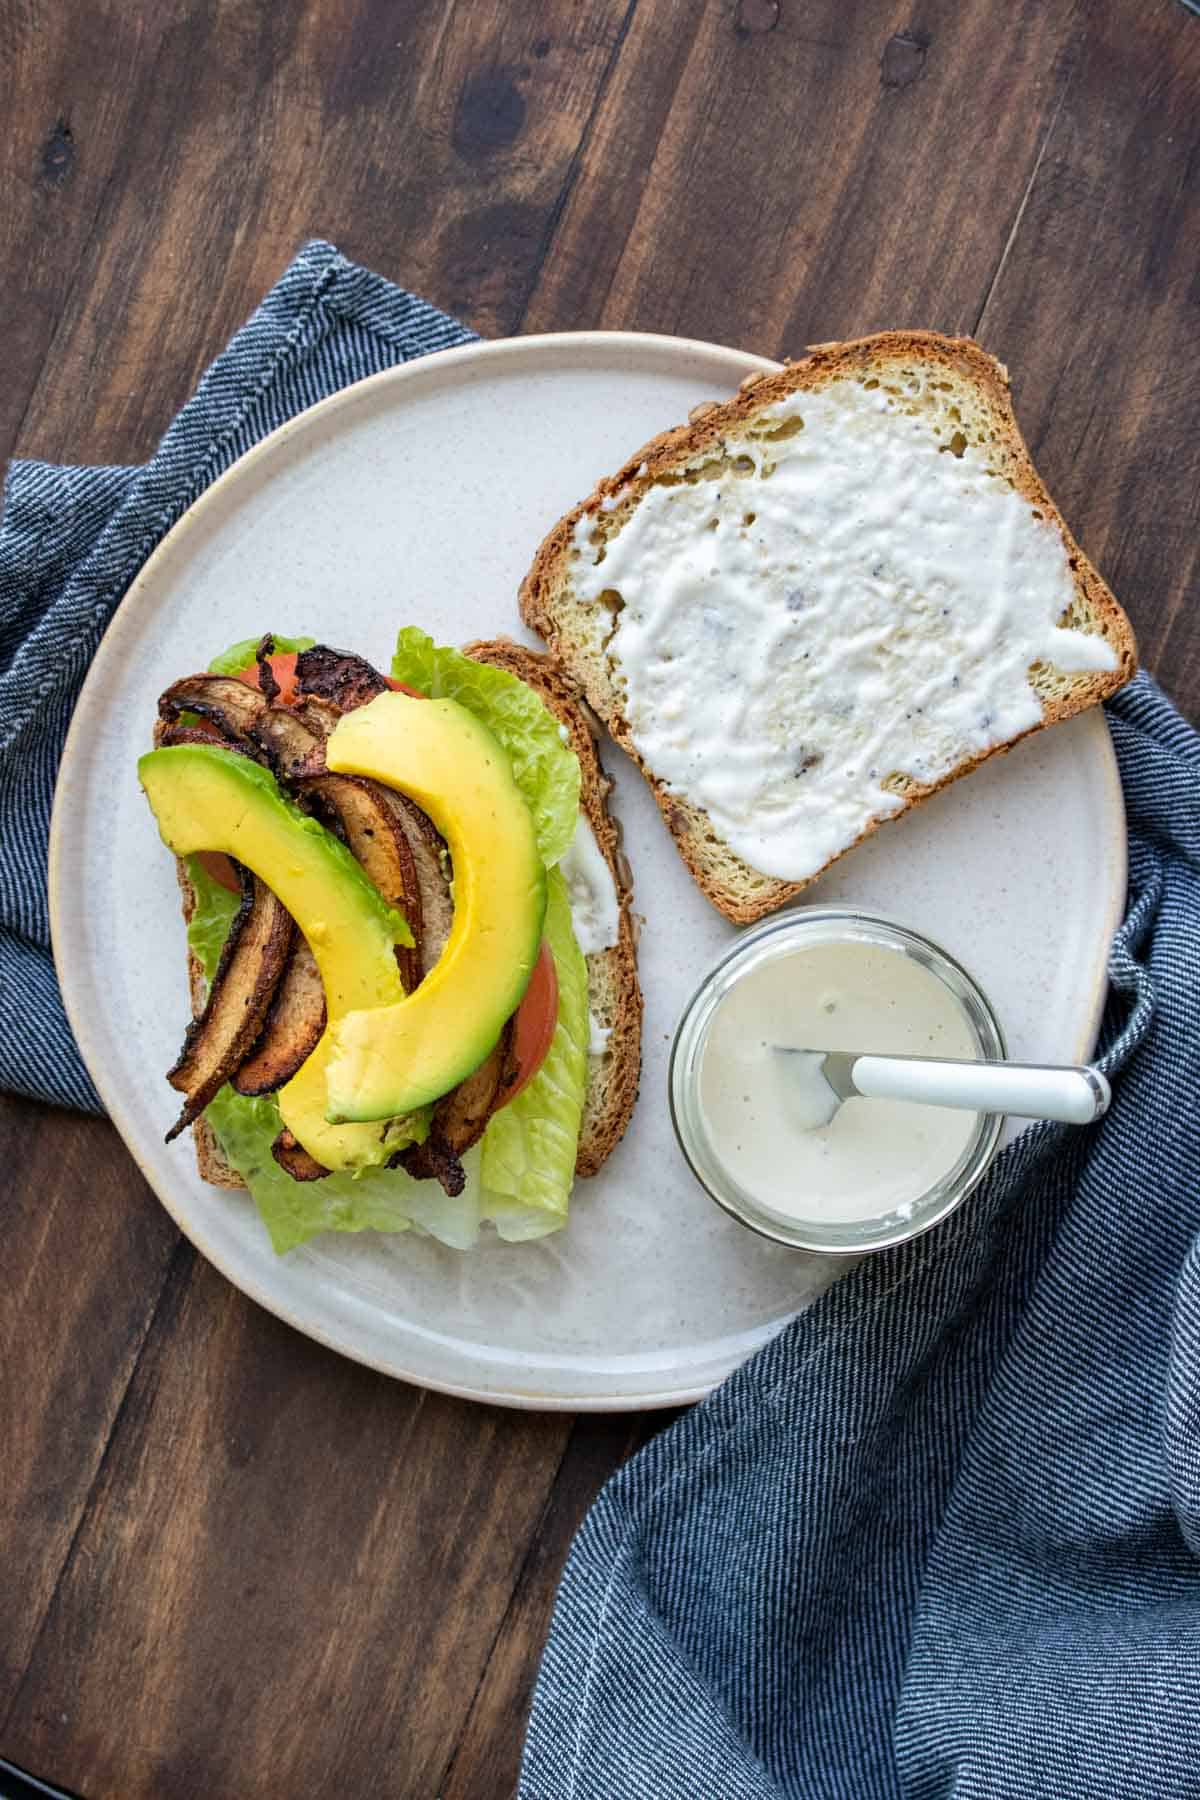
[(72, 540), (942, 1537)]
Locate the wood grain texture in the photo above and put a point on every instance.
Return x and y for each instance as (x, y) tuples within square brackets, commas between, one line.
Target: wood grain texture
[(489, 1750), (84, 1251), (830, 175), (50, 193), (266, 1559), (231, 1563), (430, 140)]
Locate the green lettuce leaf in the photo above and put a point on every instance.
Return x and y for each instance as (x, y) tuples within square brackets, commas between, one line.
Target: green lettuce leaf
[(544, 767), (240, 656), (529, 1148), (294, 1211), (209, 924)]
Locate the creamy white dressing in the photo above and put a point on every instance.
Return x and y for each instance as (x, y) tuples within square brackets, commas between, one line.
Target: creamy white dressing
[(876, 1158), (792, 635), (595, 909)]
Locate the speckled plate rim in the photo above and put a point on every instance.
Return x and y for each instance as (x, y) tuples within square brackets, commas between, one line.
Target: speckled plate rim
[(93, 698)]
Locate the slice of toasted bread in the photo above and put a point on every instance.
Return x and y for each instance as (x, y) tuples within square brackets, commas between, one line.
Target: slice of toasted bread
[(947, 389), (614, 996)]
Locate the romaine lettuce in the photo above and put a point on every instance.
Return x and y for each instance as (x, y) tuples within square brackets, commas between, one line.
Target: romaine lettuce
[(529, 1147), (209, 924)]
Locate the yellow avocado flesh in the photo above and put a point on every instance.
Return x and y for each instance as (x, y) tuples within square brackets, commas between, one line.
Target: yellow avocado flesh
[(398, 1057), (211, 799)]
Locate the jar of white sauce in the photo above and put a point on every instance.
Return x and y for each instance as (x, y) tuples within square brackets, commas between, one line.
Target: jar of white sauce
[(823, 978)]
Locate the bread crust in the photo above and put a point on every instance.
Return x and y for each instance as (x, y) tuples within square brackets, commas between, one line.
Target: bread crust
[(613, 988), (742, 893)]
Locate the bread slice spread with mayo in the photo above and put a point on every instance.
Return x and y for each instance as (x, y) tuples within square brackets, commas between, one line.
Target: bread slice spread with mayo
[(811, 607)]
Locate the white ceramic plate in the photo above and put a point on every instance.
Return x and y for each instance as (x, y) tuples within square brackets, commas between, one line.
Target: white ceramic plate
[(419, 496)]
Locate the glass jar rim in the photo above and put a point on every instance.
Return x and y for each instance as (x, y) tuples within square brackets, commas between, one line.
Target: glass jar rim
[(800, 928)]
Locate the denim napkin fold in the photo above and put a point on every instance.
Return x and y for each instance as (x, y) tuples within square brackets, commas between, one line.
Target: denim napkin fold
[(941, 1539), (72, 540)]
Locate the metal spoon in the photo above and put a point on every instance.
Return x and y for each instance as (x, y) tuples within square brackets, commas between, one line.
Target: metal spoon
[(824, 1078)]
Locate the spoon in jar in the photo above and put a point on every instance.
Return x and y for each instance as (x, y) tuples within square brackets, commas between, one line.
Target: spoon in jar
[(823, 1079)]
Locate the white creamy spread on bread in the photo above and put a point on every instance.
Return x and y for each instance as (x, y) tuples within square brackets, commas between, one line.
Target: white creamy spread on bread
[(595, 908), (845, 602), (874, 1158)]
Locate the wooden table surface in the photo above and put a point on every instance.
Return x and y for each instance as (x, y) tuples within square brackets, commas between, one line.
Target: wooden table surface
[(232, 1563)]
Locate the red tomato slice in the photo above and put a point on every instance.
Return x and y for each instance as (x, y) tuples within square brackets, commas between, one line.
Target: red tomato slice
[(218, 866), (536, 1018), (283, 667)]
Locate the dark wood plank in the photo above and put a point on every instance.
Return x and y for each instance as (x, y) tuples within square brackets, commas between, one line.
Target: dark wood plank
[(63, 140), (290, 1573), (84, 1251), (772, 176), (1095, 311), (431, 140), (489, 1754)]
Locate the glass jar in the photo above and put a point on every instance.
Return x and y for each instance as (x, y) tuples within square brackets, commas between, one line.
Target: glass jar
[(807, 929)]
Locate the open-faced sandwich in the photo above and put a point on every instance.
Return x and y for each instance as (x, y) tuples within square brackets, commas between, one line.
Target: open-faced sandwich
[(413, 978)]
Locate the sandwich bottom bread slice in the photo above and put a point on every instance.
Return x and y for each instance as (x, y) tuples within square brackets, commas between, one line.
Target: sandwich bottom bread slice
[(819, 602), (552, 1096)]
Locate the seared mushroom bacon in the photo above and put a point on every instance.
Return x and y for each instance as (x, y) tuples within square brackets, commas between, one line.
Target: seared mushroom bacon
[(226, 701), (338, 677), (291, 1028), (294, 1158), (217, 1043), (460, 1119)]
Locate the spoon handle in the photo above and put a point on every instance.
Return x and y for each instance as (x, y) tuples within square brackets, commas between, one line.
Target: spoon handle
[(1074, 1096)]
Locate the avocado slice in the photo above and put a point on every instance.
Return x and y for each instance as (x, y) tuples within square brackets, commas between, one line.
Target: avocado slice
[(209, 798), (400, 1056)]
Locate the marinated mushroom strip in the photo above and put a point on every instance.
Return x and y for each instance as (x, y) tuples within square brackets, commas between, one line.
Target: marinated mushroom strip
[(461, 1116), (294, 1159), (435, 905), (233, 706), (375, 839), (167, 735), (294, 1023), (266, 675), (337, 676), (318, 715), (218, 1042), (432, 1161), (285, 739)]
